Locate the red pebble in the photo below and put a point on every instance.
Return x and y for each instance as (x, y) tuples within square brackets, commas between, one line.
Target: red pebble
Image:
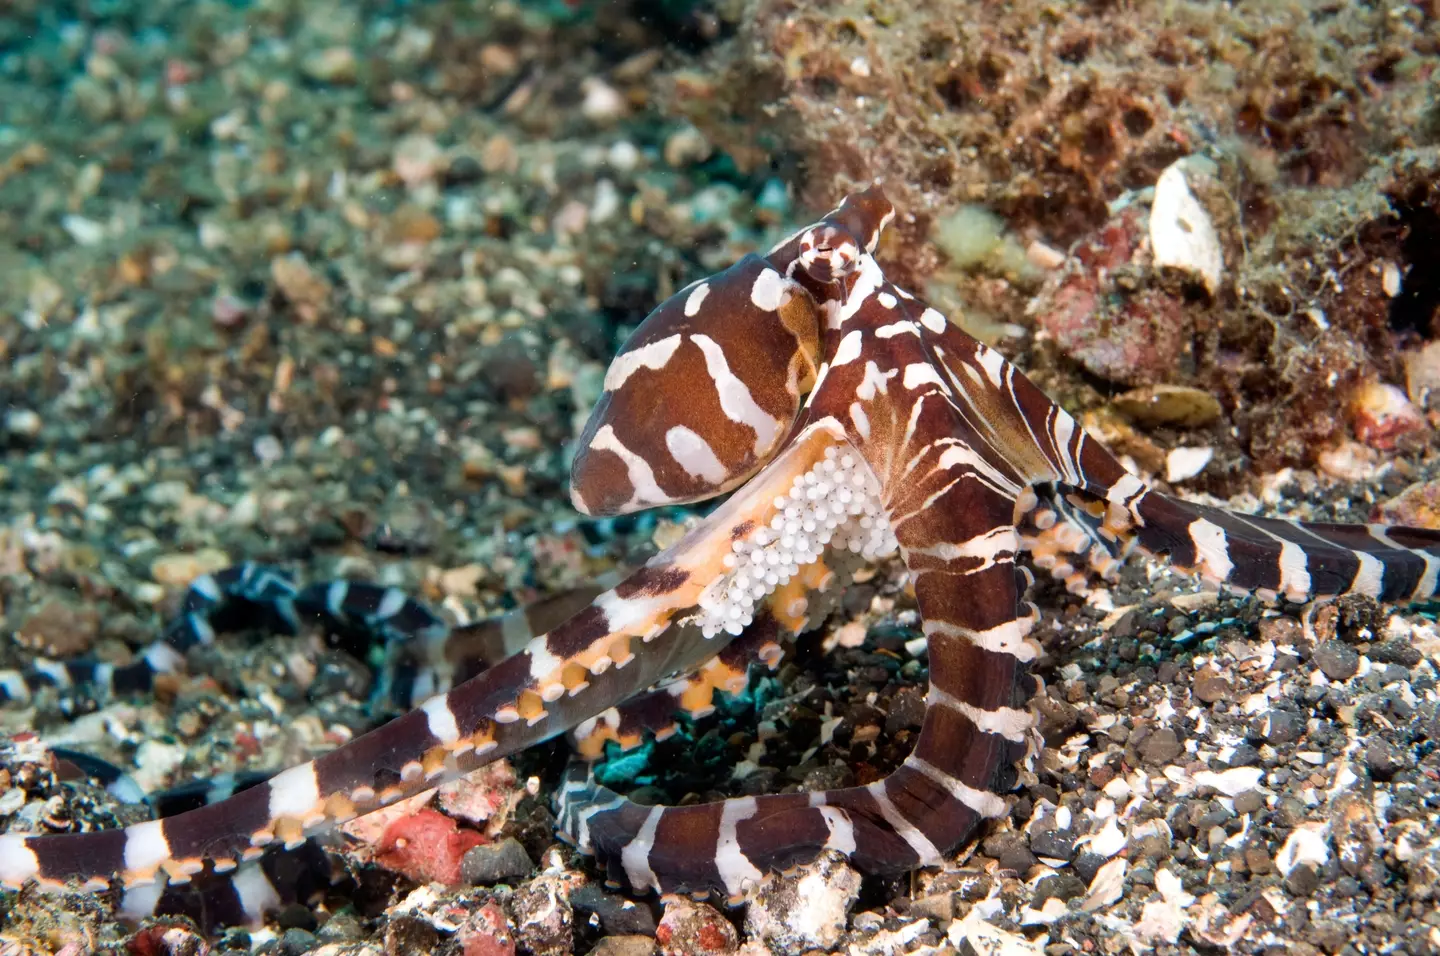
[(487, 933), (426, 846)]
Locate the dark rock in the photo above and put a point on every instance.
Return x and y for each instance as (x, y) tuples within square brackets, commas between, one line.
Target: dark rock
[(618, 916), (1058, 844), (1338, 660), (1161, 747), (1244, 756), (1395, 652), (1086, 865), (1302, 881), (1061, 886), (297, 942), (1249, 802), (1011, 850), (495, 863), (1383, 758), (1279, 726), (1211, 687)]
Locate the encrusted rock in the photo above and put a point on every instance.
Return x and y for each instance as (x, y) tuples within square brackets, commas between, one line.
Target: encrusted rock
[(543, 917), (689, 928), (804, 908), (495, 862)]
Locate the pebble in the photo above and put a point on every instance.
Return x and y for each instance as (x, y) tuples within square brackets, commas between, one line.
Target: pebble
[(805, 907), (1279, 726), (1382, 758), (1161, 747), (23, 422), (625, 946), (1211, 687), (1053, 843), (1011, 851), (618, 916), (491, 863), (689, 928), (1338, 660), (1249, 802), (336, 64)]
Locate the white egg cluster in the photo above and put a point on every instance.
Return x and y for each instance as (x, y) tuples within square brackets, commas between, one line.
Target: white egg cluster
[(835, 504)]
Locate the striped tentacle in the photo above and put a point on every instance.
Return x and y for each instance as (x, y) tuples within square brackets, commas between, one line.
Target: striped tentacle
[(1063, 538), (973, 732), (258, 596), (1298, 561), (561, 679), (791, 609), (256, 593), (692, 695)]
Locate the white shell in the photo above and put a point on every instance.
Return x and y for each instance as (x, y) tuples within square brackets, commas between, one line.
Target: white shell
[(1181, 233), (1183, 463)]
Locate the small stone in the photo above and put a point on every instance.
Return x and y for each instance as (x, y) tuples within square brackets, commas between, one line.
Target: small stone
[(1249, 802), (1244, 756), (418, 159), (689, 928), (1303, 880), (1052, 843), (1086, 865), (23, 422), (1395, 652), (1258, 861), (1211, 687), (687, 146), (1011, 851), (1161, 747), (297, 942), (491, 863), (1338, 660), (178, 570), (602, 104), (1061, 886), (804, 908), (618, 916), (1279, 726), (1383, 758)]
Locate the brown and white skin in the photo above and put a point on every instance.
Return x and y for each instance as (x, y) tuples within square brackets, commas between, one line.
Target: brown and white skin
[(847, 418)]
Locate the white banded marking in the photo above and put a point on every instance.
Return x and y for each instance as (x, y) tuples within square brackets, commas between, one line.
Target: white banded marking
[(294, 792), (696, 299), (735, 399), (983, 802), (1007, 638), (919, 842), (1369, 577), (18, 862), (653, 355), (145, 847), (440, 719), (694, 454), (734, 867), (1212, 549), (637, 470), (257, 895), (635, 855), (1008, 722)]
